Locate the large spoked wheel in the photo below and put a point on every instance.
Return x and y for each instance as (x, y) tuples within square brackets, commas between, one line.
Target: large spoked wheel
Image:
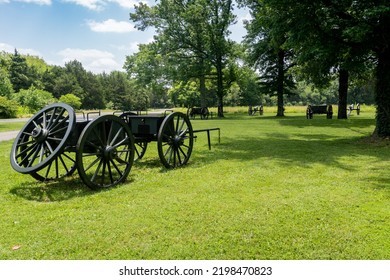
[(105, 152), (42, 138), (175, 140)]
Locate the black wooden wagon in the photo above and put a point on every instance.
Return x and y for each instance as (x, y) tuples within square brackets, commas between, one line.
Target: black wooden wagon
[(54, 143)]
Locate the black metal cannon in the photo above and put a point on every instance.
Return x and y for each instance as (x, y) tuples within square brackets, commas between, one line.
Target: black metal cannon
[(54, 143)]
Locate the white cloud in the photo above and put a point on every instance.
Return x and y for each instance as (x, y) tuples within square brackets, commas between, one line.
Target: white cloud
[(11, 49), (96, 5), (39, 2), (92, 60), (111, 25), (130, 48), (6, 48), (129, 3)]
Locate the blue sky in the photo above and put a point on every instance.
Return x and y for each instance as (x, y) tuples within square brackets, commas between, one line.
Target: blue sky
[(98, 33)]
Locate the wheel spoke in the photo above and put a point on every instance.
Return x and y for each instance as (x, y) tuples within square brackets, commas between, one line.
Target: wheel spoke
[(49, 147), (51, 118), (116, 136), (48, 171), (178, 155), (98, 137), (25, 143), (44, 119), (59, 123), (31, 151), (166, 152), (110, 173), (104, 171), (183, 152), (36, 125), (42, 153), (92, 164), (116, 167), (97, 170), (177, 125), (54, 139), (104, 134), (26, 150), (56, 162), (58, 130), (181, 127), (68, 157), (63, 163), (55, 122), (35, 155), (120, 142)]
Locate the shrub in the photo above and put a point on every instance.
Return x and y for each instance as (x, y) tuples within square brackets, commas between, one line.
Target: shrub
[(71, 100), (34, 99), (8, 108)]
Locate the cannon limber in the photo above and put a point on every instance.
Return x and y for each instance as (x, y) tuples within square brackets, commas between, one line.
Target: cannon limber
[(55, 143)]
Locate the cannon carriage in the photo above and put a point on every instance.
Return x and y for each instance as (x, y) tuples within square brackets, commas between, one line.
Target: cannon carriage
[(55, 143)]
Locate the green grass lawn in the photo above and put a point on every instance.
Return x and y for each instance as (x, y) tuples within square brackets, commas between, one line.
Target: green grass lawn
[(8, 126), (274, 188)]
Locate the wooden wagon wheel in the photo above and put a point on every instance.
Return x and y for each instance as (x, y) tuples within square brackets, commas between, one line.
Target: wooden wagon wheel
[(105, 152), (175, 140), (42, 140)]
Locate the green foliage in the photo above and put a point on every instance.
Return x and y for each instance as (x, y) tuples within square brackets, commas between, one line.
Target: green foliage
[(71, 100), (6, 88), (19, 72), (8, 108), (33, 99), (268, 51), (192, 39), (185, 94)]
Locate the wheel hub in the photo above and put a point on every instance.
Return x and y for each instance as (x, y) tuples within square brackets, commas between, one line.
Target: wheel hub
[(109, 153), (40, 134), (177, 141)]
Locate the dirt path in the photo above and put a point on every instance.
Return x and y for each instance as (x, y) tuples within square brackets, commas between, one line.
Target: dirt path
[(8, 135)]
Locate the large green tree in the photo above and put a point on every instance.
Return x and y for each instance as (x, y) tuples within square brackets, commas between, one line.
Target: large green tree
[(192, 36), (268, 51), (362, 27), (19, 72)]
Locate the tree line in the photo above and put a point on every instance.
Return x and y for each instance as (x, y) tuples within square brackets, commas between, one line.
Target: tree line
[(311, 52), (28, 83)]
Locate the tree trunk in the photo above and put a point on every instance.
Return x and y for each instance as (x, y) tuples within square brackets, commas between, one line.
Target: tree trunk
[(382, 90), (343, 94), (280, 84), (220, 91), (202, 89)]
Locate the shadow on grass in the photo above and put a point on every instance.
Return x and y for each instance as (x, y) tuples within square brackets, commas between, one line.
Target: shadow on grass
[(54, 191), (303, 150)]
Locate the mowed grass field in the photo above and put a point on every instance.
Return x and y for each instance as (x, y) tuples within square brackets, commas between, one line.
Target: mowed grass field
[(274, 188)]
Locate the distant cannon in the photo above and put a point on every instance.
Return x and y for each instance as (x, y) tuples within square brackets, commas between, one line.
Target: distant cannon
[(203, 112)]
